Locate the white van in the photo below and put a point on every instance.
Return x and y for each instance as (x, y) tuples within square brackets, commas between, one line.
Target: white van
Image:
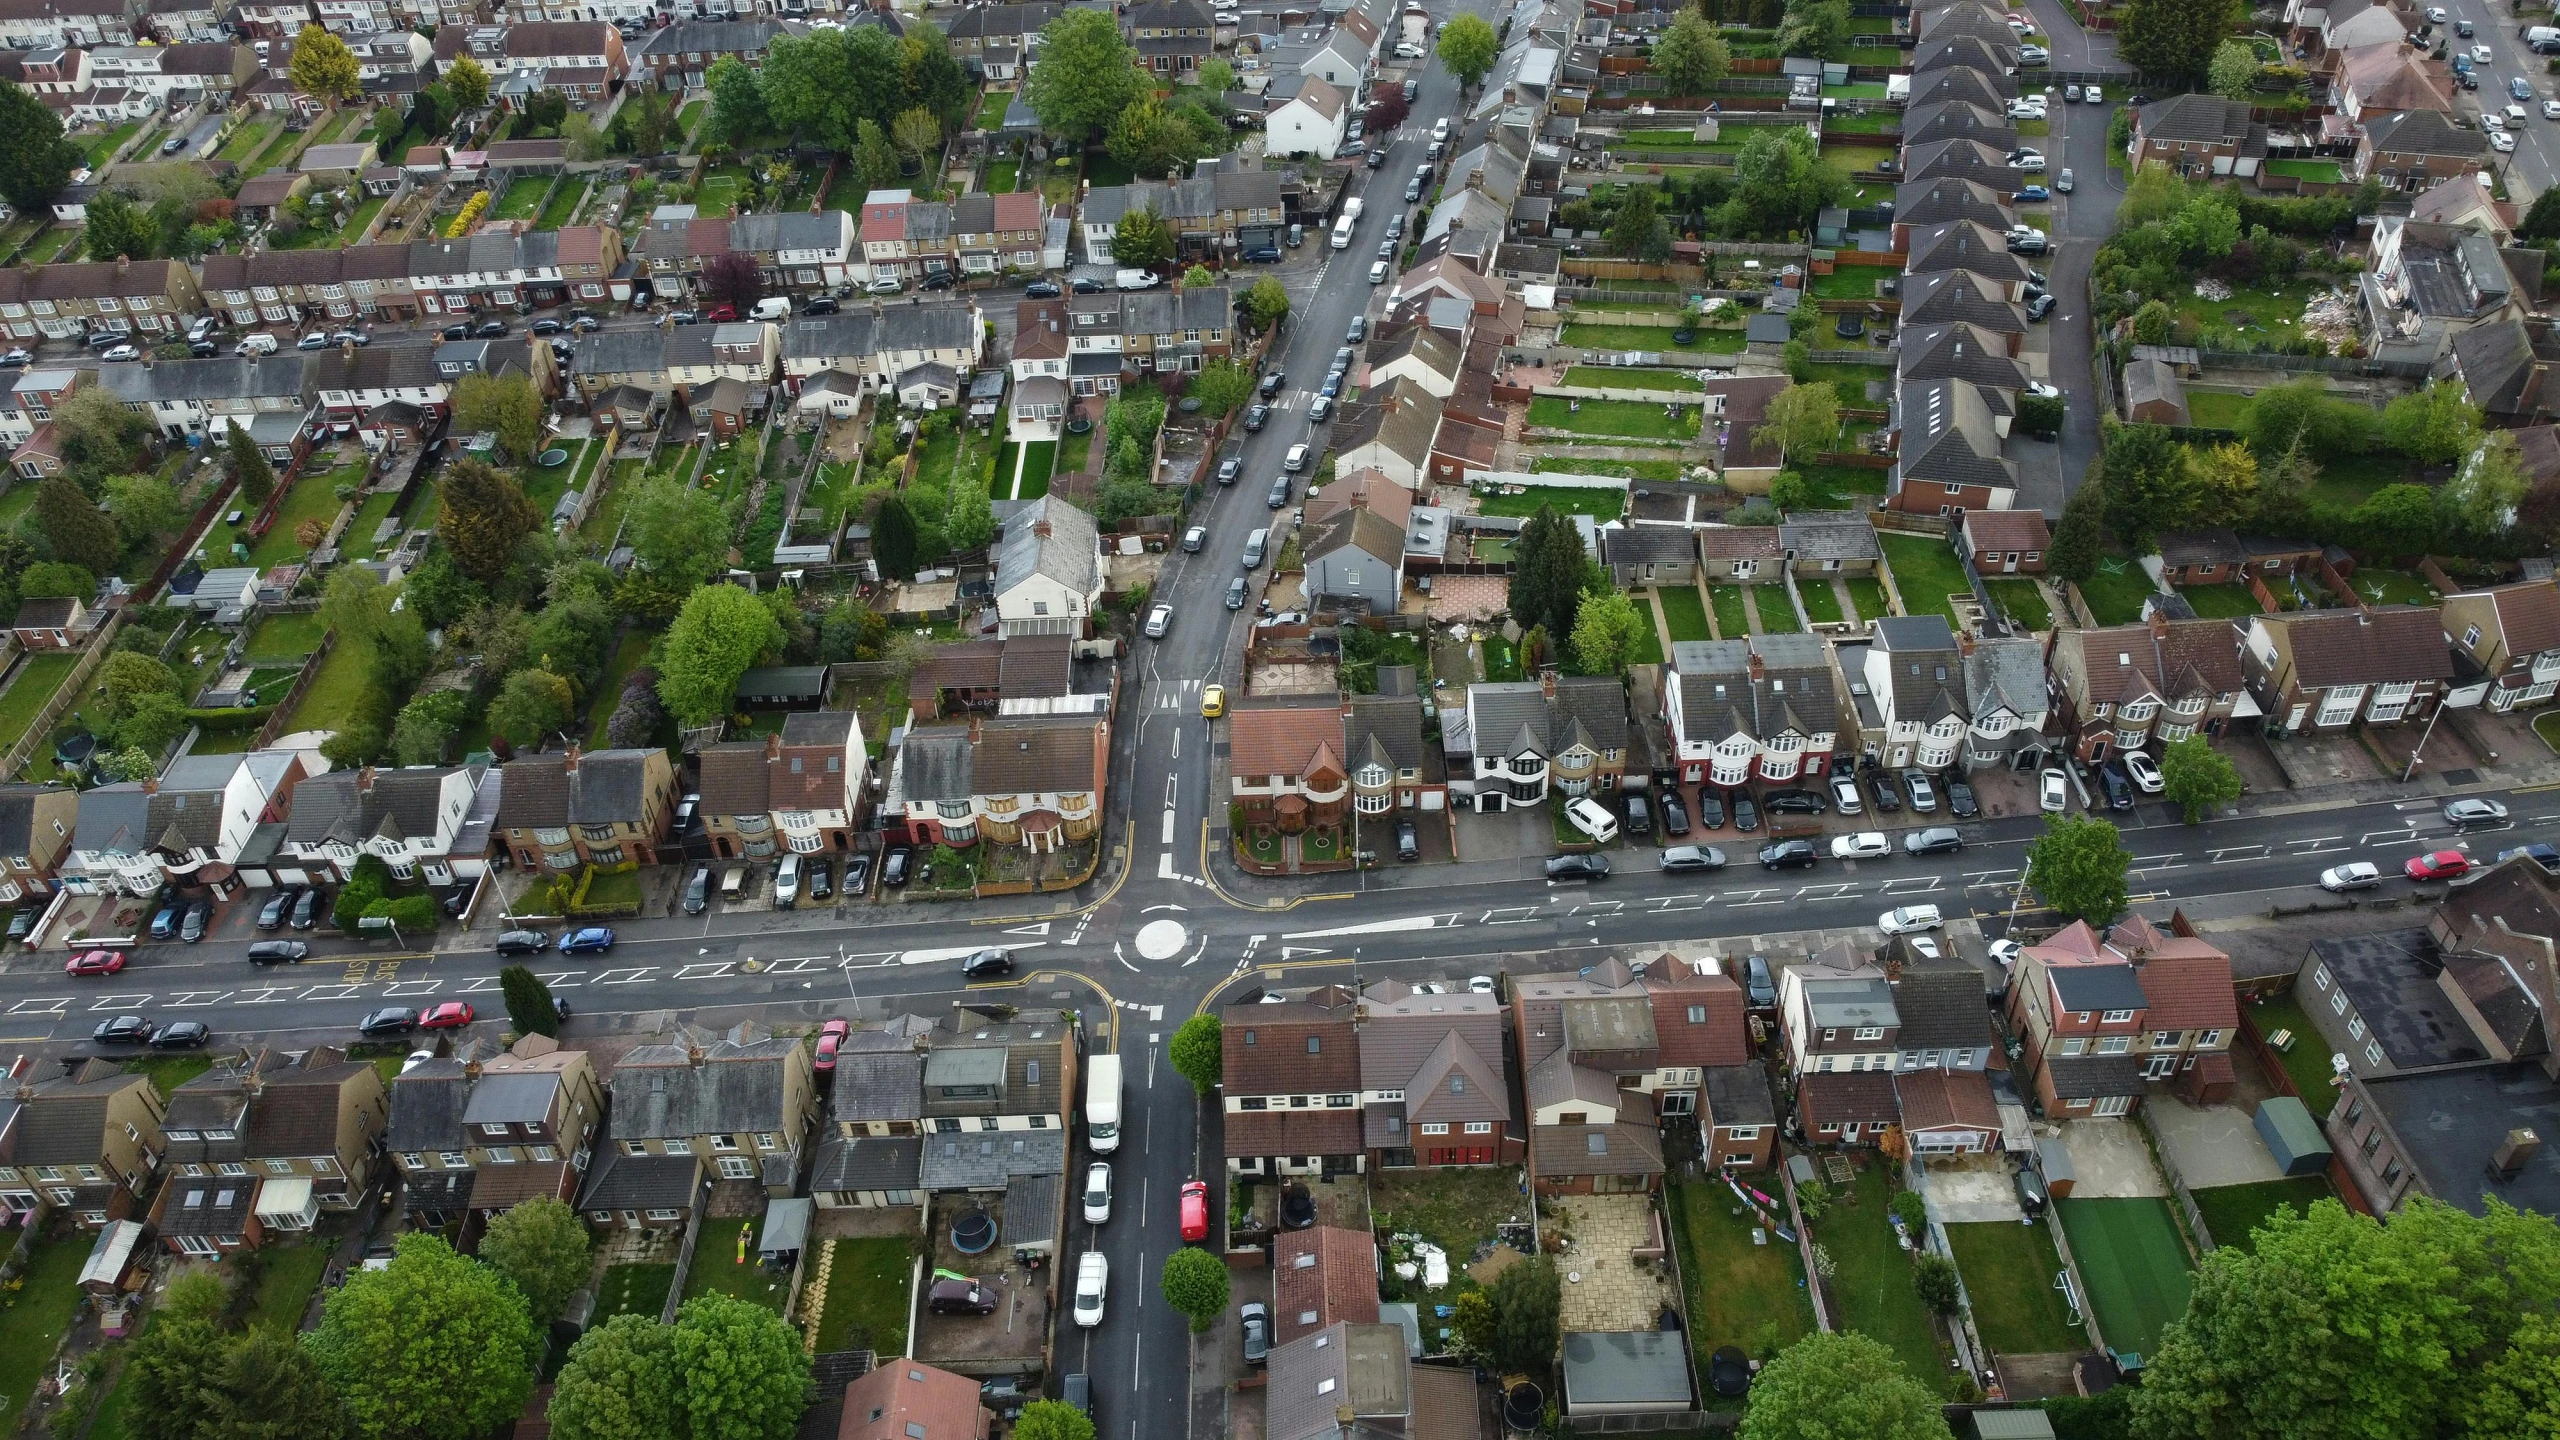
[(1342, 232), (1255, 546), (1102, 1103), (1593, 819), (257, 342), (1134, 279), (786, 883), (771, 307)]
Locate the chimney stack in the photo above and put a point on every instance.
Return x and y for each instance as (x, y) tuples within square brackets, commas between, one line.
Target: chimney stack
[(2511, 1156), (150, 784), (1759, 667), (2159, 624), (1547, 682), (364, 780), (569, 759), (975, 722)]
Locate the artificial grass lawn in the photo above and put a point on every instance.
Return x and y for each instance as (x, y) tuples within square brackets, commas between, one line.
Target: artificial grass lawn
[(1821, 602), (361, 217), (2221, 601), (1639, 419), (2115, 594), (1739, 1293), (288, 1275), (1867, 593), (2232, 1212), (2133, 1263), (2216, 409), (633, 1290), (1601, 505), (1603, 377), (720, 188), (1732, 621), (1871, 1283), (2325, 172), (2021, 601), (1851, 382), (1684, 613), (2307, 1063), (2008, 1275), (868, 1284), (991, 108), (1039, 459), (1851, 282), (1588, 336), (522, 200), (626, 657), (2547, 725), (37, 1316), (716, 1267), (36, 681), (1926, 571)]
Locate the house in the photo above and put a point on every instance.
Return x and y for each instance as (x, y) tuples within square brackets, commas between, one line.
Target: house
[(2509, 366), (1525, 737), (154, 298), (1032, 780), (1649, 554), (1948, 438), (1292, 1091), (283, 287), (996, 1097), (804, 784), (1310, 122), (1766, 707), (2326, 26), (2415, 150), (298, 1130), (2208, 555), (905, 1399), (1392, 766), (2512, 633), (1739, 554), (1322, 1276), (997, 232), (36, 823), (87, 1141), (984, 674), (411, 819), (1822, 544), (2120, 685), (2003, 542), (188, 827), (1913, 679), (55, 624), (1172, 37), (1737, 1118), (734, 1108), (1356, 558), (680, 56), (1048, 570), (570, 809), (583, 59), (474, 1135), (1350, 1380), (1606, 1052), (2375, 81), (271, 394), (872, 1158), (2330, 669), (1837, 1012), (1389, 430), (1285, 762), (1943, 1048), (2077, 1007), (1434, 1089)]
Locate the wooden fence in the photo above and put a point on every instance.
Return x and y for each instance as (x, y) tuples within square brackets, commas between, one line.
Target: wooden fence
[(274, 727), (39, 733)]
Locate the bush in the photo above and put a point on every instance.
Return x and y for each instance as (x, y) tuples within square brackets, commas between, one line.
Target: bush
[(412, 914)]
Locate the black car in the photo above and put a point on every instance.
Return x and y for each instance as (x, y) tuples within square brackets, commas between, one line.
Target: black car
[(1040, 290), (523, 942), (199, 919), (22, 923), (1271, 383), (1255, 418), (987, 963), (1961, 802), (1887, 794), (857, 877), (1263, 255), (1086, 285), (489, 330), (893, 870), (1710, 810), (1793, 802), (1936, 840), (2118, 785), (1746, 816), (123, 1030), (395, 1020), (1789, 855), (278, 952), (547, 326), (306, 911), (1408, 840), (1577, 867), (1675, 816), (1377, 159), (457, 332), (826, 304), (1756, 983), (1279, 492), (272, 915), (939, 280), (822, 879), (183, 1035)]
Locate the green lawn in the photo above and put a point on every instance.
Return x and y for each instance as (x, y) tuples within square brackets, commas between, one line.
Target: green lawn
[(522, 200), (335, 692), (2250, 315), (1602, 505), (369, 517), (168, 1072), (2346, 480), (691, 116), (867, 1293), (104, 144), (1039, 459), (716, 1267), (1649, 639), (2233, 1212), (38, 677), (1603, 377), (2021, 601), (1834, 483), (1684, 613), (1821, 601), (37, 1316), (1588, 336), (1777, 617), (633, 1290), (2133, 1263), (314, 496), (2392, 587), (1740, 1293), (1732, 622), (1500, 659), (2322, 171), (288, 1275), (1926, 571), (1871, 1285), (2223, 601), (1851, 382), (564, 203), (1576, 465), (1639, 419), (991, 108), (2115, 594), (1851, 282), (2307, 1063), (626, 657), (282, 637), (720, 188), (2008, 1275), (2216, 409), (1867, 593), (1003, 175), (249, 139)]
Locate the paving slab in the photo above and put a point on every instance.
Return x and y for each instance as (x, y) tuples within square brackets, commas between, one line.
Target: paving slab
[(2213, 1145), (2109, 1161)]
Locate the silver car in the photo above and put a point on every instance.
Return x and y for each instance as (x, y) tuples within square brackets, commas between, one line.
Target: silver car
[(2358, 876), (2473, 812)]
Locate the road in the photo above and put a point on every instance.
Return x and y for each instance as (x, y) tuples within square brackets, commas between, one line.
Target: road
[(2530, 169)]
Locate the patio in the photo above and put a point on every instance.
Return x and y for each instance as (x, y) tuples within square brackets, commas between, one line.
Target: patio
[(1605, 1286)]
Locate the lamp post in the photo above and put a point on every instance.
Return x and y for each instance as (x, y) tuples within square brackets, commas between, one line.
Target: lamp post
[(2432, 716)]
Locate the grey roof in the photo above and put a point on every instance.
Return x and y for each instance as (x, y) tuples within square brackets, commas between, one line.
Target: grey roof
[(2422, 132), (1649, 1368), (1314, 1380), (1067, 554), (621, 352), (871, 332), (2091, 1077), (867, 1162), (1739, 1094), (2007, 675), (114, 819), (990, 1159), (718, 37), (935, 763), (1958, 296), (616, 1181), (1392, 724), (518, 1097), (18, 814), (1031, 1212), (1850, 1002), (2391, 981), (1517, 716), (1941, 1007), (2206, 118), (1817, 536), (2097, 988), (213, 1206), (219, 378), (426, 1106), (402, 804), (65, 1122), (887, 1085), (609, 786), (661, 1093), (2448, 1122)]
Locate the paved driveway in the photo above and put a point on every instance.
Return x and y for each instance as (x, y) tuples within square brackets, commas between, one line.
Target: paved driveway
[(2214, 1145), (2110, 1162)]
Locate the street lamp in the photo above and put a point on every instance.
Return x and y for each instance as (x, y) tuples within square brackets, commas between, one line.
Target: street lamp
[(2432, 717)]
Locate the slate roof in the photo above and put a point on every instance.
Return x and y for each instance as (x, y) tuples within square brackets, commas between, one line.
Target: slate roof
[(1739, 1094), (2094, 1077), (1942, 1008), (2096, 988), (1958, 296), (661, 1093), (2121, 662), (426, 1106), (2423, 132), (608, 787), (2497, 359), (296, 1114), (65, 1121), (991, 1159), (1066, 555), (868, 1162), (2006, 674), (616, 1181), (400, 805), (1385, 727), (18, 814), (1517, 715), (2207, 119), (1813, 535)]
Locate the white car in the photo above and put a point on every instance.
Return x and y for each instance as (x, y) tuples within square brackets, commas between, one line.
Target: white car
[(1910, 920), (2502, 142), (2042, 391), (2026, 160), (2480, 54), (1410, 51), (2033, 55), (1865, 845), (1097, 1193), (2026, 110), (1093, 1276), (121, 352), (2006, 952), (2051, 794), (2146, 775), (1430, 987), (1924, 947), (1479, 984), (2361, 875), (2436, 15), (884, 285), (2492, 121), (2551, 109), (1378, 272), (2092, 96), (2515, 116)]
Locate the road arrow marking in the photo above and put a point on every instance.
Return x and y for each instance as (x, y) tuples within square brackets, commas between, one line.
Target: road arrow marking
[(1040, 929), (1123, 959), (1292, 952), (1150, 910), (1374, 927)]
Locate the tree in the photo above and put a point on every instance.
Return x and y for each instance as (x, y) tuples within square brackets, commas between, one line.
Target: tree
[(1218, 77), (893, 538), (1528, 1302), (635, 721), (821, 84), (432, 1347), (2394, 520), (874, 154), (2304, 411), (466, 80), (545, 109), (1467, 46), (917, 132), (738, 113), (1387, 111), (740, 1370), (2485, 496), (931, 76), (1690, 57), (1266, 304), (424, 729), (1197, 276), (531, 706), (678, 533), (531, 1011), (35, 161), (168, 1364), (1142, 240), (2433, 426), (2151, 487), (643, 124), (1639, 232), (248, 466), (100, 435), (2197, 777), (1195, 1283), (2542, 221), (720, 634), (53, 580), (1934, 1276), (1198, 1052), (617, 1383), (1816, 28), (324, 68), (1546, 572), (1052, 1420), (1152, 141), (2078, 867), (1789, 491), (2153, 322), (507, 404), (1779, 183), (1221, 386), (2233, 70), (118, 229), (74, 528), (152, 724), (1084, 75), (734, 276), (2226, 484), (1833, 1385), (1608, 631), (1800, 420), (2040, 414), (267, 1387), (482, 516), (540, 1244), (2173, 39)]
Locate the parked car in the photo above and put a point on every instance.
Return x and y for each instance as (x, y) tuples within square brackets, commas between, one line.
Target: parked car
[(1936, 840), (2051, 792), (2117, 785), (451, 1015), (2357, 875), (2438, 865), (164, 925), (94, 962), (522, 942), (489, 330), (1710, 810), (831, 1037), (1909, 920), (587, 940), (1759, 987), (123, 1030), (2472, 811), (1041, 290), (857, 876), (306, 911), (1675, 815), (279, 907), (697, 891), (278, 952), (1746, 815), (894, 868), (1408, 840), (1793, 802), (1844, 795), (1789, 855), (822, 878), (1159, 620), (1888, 796), (1192, 1213), (1236, 593), (1924, 796), (2146, 774), (182, 1035), (1961, 801), (1228, 470), (199, 918), (2546, 856), (392, 1020), (1093, 1282), (1577, 867), (1255, 418), (1862, 845), (1254, 1322), (1271, 383), (1682, 858), (1097, 1193), (964, 1296)]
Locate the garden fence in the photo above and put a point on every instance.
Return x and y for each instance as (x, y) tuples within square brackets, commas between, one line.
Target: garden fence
[(684, 1253), (2315, 364), (2196, 1228), (292, 701), (39, 733)]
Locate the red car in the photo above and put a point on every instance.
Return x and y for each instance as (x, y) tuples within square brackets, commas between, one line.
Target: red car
[(720, 314), (2440, 865), (830, 1036), (95, 962), (451, 1015), (1195, 1210)]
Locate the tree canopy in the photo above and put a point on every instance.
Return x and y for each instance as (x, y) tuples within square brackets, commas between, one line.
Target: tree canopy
[(2078, 867), (728, 1369), (1690, 56), (719, 635), (540, 1244), (36, 163), (2197, 777), (1196, 1284), (324, 68), (1801, 420), (1142, 240), (432, 1347), (1468, 46), (505, 404), (483, 515), (1083, 75), (678, 532), (1608, 632), (1834, 1386), (1198, 1051), (2172, 38), (1547, 570)]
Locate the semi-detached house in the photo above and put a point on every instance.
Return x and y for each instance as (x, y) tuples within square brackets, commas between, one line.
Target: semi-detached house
[(410, 819), (700, 1110), (86, 1141), (560, 811), (2331, 669), (1766, 707), (1292, 1091), (2512, 633), (2124, 684)]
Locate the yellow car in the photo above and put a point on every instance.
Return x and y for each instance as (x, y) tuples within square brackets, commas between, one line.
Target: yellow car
[(1213, 701)]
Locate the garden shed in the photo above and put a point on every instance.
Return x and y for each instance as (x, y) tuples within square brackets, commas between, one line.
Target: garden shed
[(2293, 1135)]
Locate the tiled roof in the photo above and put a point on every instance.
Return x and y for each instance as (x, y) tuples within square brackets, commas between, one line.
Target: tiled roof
[(1946, 1099), (1942, 1008), (2189, 993), (1283, 739), (1021, 756), (867, 1162), (2206, 118), (2005, 530), (2397, 644), (609, 786), (2094, 1077), (661, 1092), (1266, 1048), (1837, 1098), (1320, 1276), (1292, 1132), (1622, 1149)]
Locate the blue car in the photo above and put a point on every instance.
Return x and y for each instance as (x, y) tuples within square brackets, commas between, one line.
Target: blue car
[(2517, 89), (164, 926), (593, 938), (2032, 195)]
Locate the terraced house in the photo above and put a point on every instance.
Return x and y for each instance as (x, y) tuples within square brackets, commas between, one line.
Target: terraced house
[(581, 59), (287, 287), (87, 1141), (295, 1130), (202, 397), (150, 298), (868, 349), (997, 232), (1434, 1089), (996, 1096), (680, 56), (496, 269)]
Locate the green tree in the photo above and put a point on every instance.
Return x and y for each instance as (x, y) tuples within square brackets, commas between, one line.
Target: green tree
[(1468, 46), (2433, 426), (1195, 1283), (2233, 70), (540, 1244), (2153, 323), (1830, 1387), (1266, 304), (1198, 1052), (167, 1367), (1817, 28), (1142, 240), (531, 1011), (1608, 631), (53, 580), (74, 528), (36, 163), (821, 85), (1639, 232), (483, 514), (2226, 484), (1217, 76), (1789, 492), (2483, 498), (2542, 221), (738, 113), (467, 81), (917, 132), (248, 466), (1152, 141), (2078, 867), (2040, 414), (100, 435), (1690, 57), (678, 532), (618, 1384), (1801, 420), (2172, 39), (893, 538), (324, 68), (2197, 777), (2304, 411), (2151, 487), (2394, 520), (506, 404), (532, 706), (424, 728), (1197, 276), (144, 506), (1221, 386), (1780, 183), (545, 109), (931, 76), (971, 521), (1052, 1420), (580, 138), (1547, 566), (1528, 1301), (1934, 1276), (152, 724), (268, 1388), (874, 154), (721, 633), (432, 1347), (740, 1370), (2154, 193), (118, 229), (1083, 76)]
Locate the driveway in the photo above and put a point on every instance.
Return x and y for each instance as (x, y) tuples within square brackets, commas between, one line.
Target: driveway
[(2212, 1145), (2110, 1162)]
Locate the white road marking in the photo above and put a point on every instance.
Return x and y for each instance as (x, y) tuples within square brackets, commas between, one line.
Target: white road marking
[(707, 970), (399, 988), (268, 995), (633, 975), (950, 952), (1040, 929), (1164, 864), (53, 1006), (189, 999), (133, 1001), (1396, 926), (1514, 915), (1168, 828)]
